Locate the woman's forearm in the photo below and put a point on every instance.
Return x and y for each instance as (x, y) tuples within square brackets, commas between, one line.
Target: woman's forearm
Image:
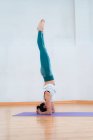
[(46, 112)]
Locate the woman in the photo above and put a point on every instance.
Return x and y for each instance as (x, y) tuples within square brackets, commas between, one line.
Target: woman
[(49, 83)]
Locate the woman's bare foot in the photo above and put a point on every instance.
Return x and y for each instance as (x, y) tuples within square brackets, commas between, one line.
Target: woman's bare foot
[(41, 25)]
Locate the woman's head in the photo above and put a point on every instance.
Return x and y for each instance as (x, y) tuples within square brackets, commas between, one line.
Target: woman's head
[(42, 107)]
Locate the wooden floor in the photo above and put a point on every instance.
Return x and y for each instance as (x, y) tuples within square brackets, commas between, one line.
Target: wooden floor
[(45, 128)]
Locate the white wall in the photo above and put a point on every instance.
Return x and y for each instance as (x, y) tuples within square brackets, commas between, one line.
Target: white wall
[(69, 40), (84, 43)]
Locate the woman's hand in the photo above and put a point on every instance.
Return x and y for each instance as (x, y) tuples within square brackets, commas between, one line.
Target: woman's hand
[(38, 111)]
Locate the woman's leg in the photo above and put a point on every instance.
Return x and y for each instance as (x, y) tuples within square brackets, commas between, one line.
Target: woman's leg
[(44, 59)]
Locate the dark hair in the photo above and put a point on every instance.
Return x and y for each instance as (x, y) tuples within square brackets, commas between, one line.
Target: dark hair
[(41, 107)]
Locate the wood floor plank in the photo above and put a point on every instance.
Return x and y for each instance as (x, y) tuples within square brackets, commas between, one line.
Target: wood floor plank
[(45, 128)]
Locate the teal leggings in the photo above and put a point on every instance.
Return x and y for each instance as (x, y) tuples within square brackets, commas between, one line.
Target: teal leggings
[(44, 59)]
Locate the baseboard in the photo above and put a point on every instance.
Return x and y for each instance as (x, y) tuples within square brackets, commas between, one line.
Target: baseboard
[(55, 102)]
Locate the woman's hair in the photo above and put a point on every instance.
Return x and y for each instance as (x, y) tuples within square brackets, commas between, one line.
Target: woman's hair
[(42, 107)]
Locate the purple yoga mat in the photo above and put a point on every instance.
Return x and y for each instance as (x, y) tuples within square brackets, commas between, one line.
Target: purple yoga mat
[(58, 114)]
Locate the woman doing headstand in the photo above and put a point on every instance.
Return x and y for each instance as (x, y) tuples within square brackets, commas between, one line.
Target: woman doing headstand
[(49, 85)]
